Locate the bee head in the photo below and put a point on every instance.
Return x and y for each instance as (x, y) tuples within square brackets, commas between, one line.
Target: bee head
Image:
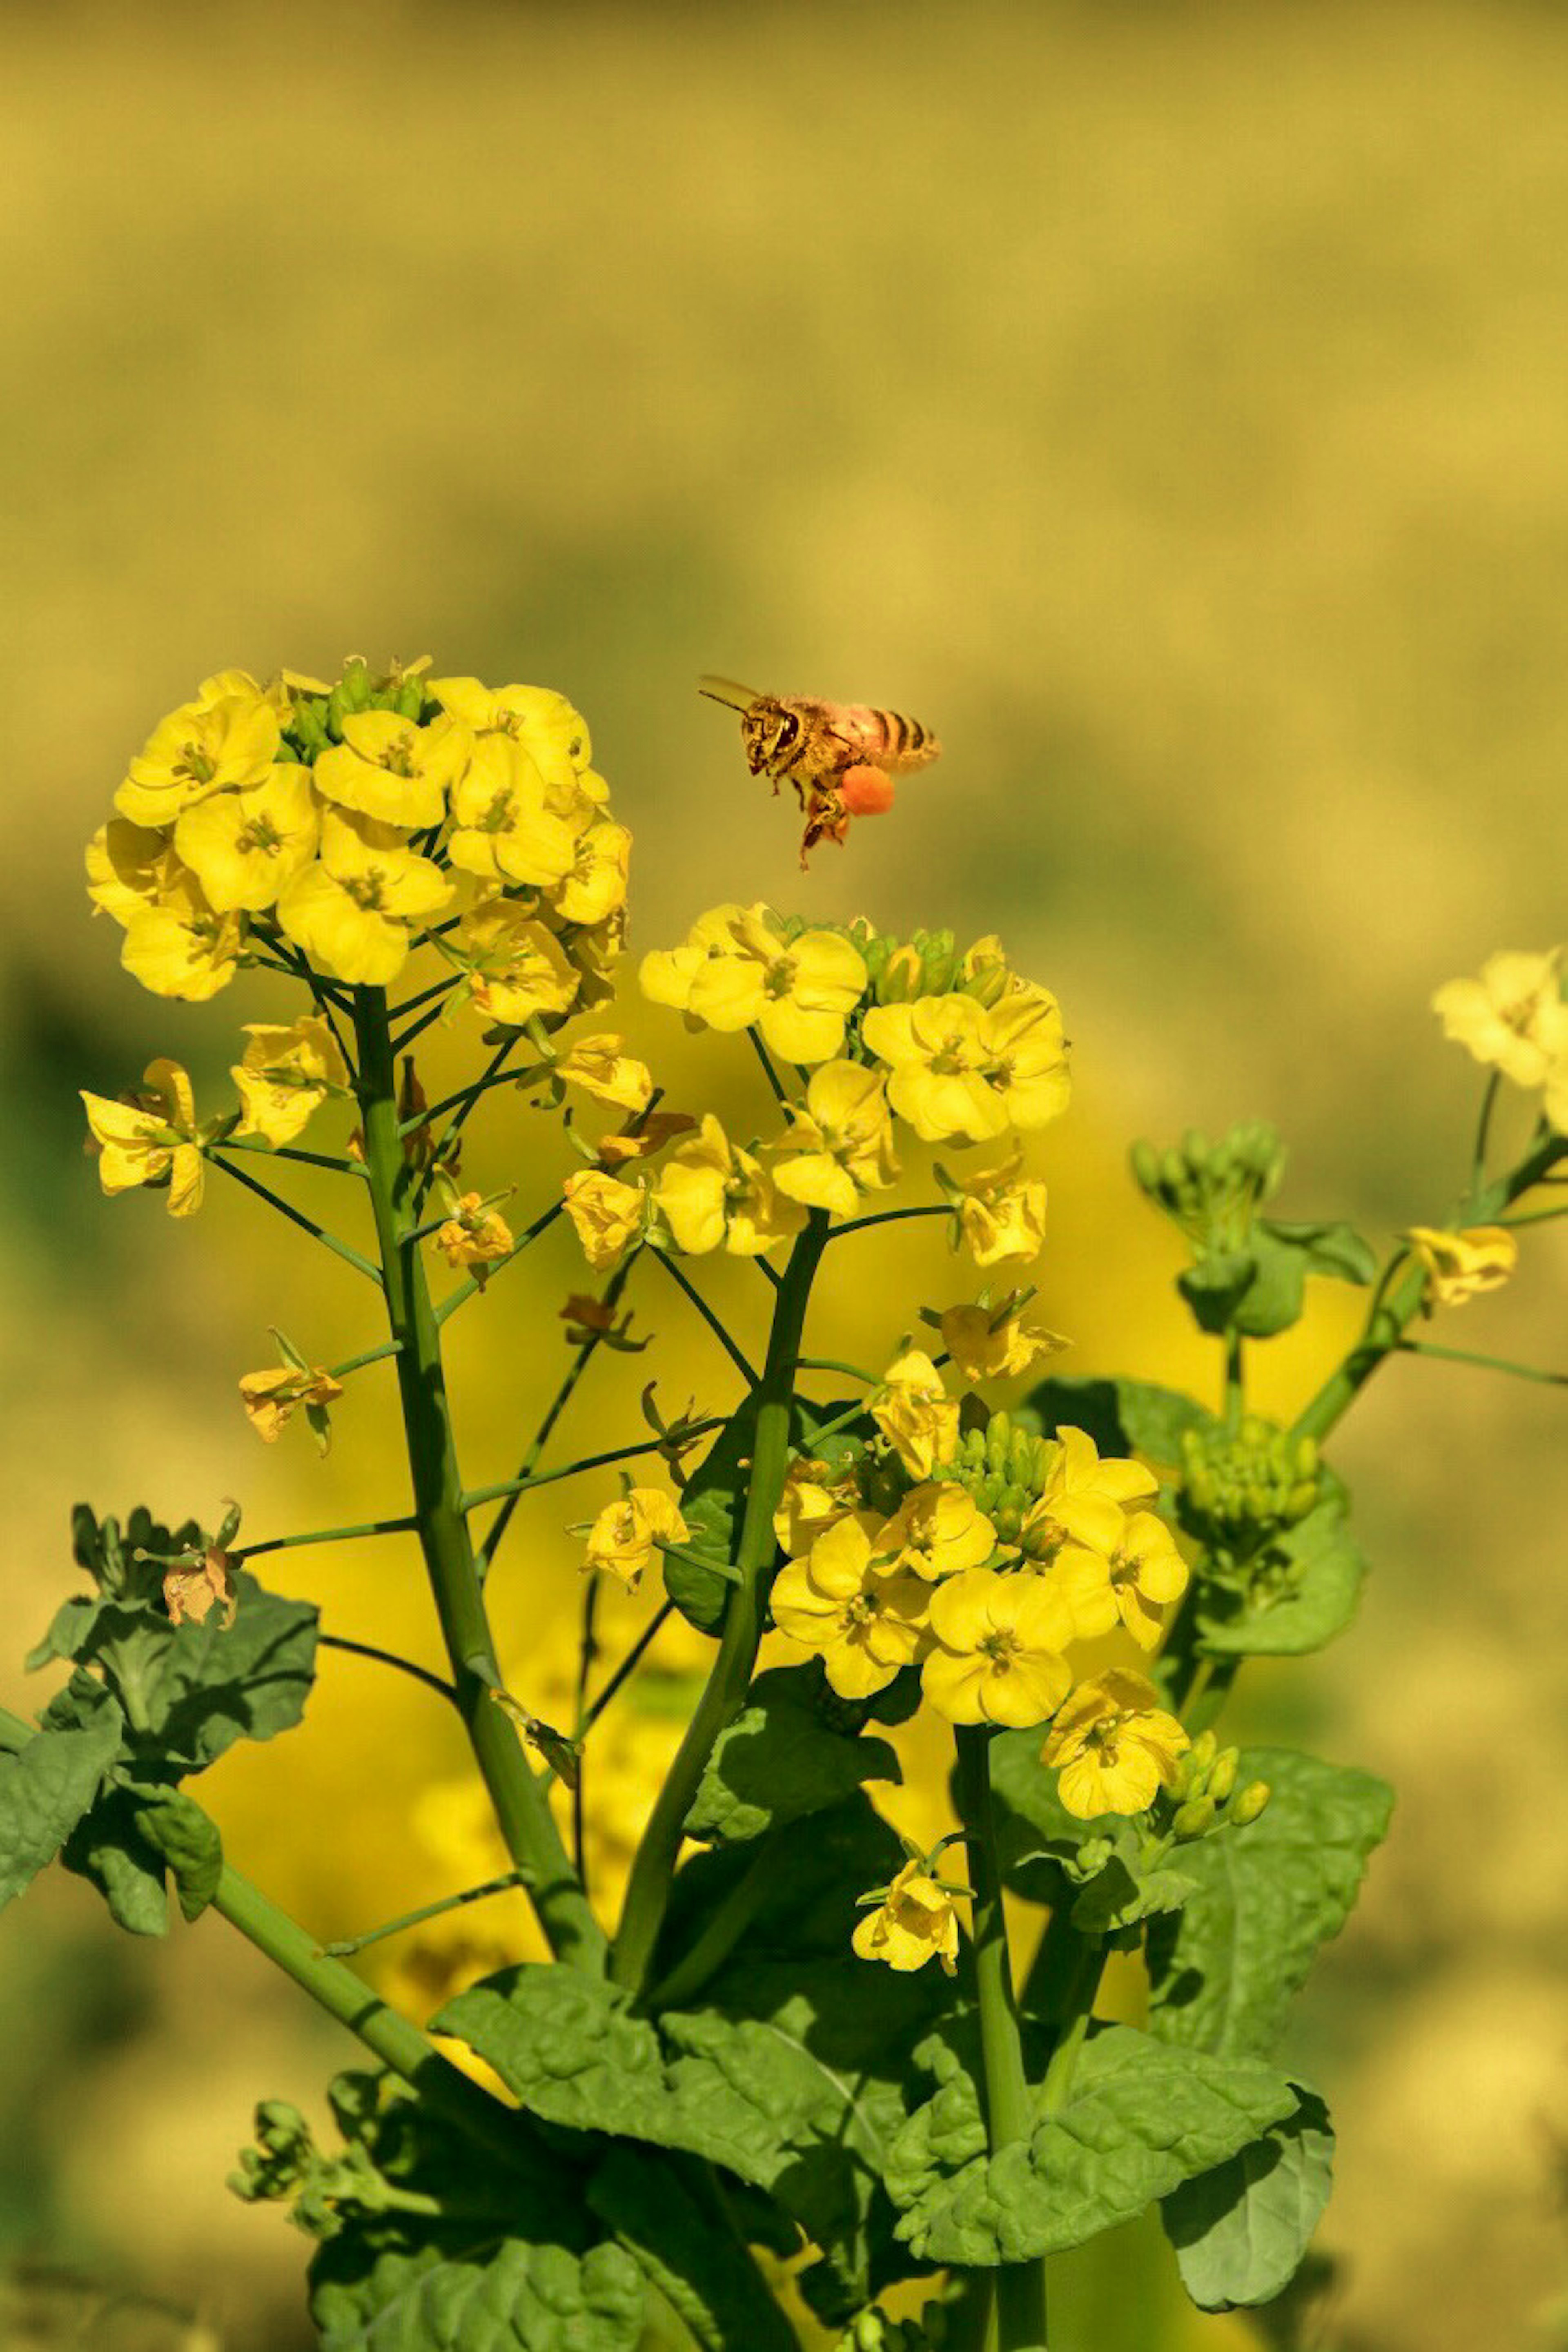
[(769, 733)]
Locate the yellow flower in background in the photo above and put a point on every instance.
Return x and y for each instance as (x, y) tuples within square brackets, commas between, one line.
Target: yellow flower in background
[(517, 967), (737, 971), (1461, 1265), (988, 1345), (271, 1398), (916, 1923), (128, 868), (475, 1235), (151, 1139), (243, 847), (713, 1194), (916, 1416), (596, 886), (602, 1067), (939, 1529), (1001, 1214), (286, 1074), (1113, 1747), (1512, 1018), (390, 768), (608, 1215), (625, 1536), (841, 1144), (227, 736), (813, 1495), (181, 946), (999, 1656), (862, 1623), (355, 910), (545, 725), (937, 1051), (1083, 1497), (501, 827)]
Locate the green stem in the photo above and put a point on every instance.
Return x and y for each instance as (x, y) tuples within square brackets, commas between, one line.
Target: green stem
[(298, 1217), (885, 1217), (709, 1317), (1485, 1363), (523, 1811), (325, 1535), (723, 1696), (349, 1945), (357, 1364), (525, 1485), (389, 1658), (1234, 1382), (469, 1289), (288, 1152), (1019, 2318), (720, 1932)]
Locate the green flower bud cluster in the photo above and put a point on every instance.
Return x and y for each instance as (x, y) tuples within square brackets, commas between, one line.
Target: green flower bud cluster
[(128, 1562), (1206, 1794), (928, 963), (1213, 1190), (873, 2331), (1006, 1470), (318, 720), (1240, 1486)]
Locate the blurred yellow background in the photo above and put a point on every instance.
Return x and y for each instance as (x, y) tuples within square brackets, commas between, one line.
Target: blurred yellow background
[(1170, 406)]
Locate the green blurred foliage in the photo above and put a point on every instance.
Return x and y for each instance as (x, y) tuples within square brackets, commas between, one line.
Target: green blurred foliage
[(1165, 405)]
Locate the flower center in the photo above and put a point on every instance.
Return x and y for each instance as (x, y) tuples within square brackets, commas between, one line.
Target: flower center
[(368, 891), (259, 838), (397, 757), (1001, 1646), (500, 817), (193, 762)]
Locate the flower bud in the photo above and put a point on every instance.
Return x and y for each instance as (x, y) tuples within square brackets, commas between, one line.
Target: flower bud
[(1246, 1807), (1222, 1780), (1192, 1819), (1201, 1754)]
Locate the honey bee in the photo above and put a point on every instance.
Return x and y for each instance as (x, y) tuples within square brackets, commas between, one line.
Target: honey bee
[(841, 757)]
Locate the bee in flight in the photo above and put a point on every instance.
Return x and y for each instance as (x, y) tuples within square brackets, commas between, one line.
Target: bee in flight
[(841, 757)]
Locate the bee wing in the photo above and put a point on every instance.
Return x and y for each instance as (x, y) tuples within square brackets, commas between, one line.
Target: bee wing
[(724, 689)]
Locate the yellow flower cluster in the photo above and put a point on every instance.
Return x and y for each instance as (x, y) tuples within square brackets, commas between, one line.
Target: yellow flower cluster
[(340, 823), (1513, 1019), (989, 1616)]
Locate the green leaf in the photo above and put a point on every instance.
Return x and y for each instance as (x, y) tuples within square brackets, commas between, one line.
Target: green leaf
[(1121, 1416), (1134, 2127), (109, 1849), (1303, 1590), (1120, 1896), (778, 1762), (713, 1503), (1240, 2231), (49, 1784), (1260, 1291), (1035, 1832), (808, 1907), (687, 2251), (1335, 1250), (188, 1841), (1223, 1971)]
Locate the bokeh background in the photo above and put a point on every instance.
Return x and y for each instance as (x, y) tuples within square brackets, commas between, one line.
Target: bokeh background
[(1165, 402)]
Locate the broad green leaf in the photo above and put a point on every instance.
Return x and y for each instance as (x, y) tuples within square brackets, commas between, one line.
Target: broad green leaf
[(1336, 1250), (779, 1761), (49, 1785), (685, 2248), (1118, 1896), (1121, 1416), (1240, 2231), (1303, 1591), (1134, 2127), (188, 1841), (807, 1907), (109, 1848), (1224, 1970), (1260, 1291)]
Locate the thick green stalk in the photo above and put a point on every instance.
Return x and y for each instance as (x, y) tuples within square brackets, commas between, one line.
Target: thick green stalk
[(648, 1890), (1018, 2318), (522, 1812)]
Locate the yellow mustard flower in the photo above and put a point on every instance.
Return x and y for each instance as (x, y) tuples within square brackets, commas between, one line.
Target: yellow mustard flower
[(1000, 1639), (594, 949), (1132, 1584), (179, 945), (392, 769), (711, 1194), (128, 868), (1113, 1745), (502, 827), (152, 1138), (916, 1923), (1027, 1066), (1001, 1214), (516, 967), (554, 734), (608, 1215), (841, 1144), (916, 1416), (226, 738), (659, 1128), (864, 1624), (271, 1398), (1083, 1497), (595, 887), (813, 1496), (243, 847), (1512, 1018), (475, 1234), (939, 1529), (602, 1067), (737, 971), (355, 910), (623, 1538), (963, 1071), (987, 1344), (286, 1074), (1461, 1265)]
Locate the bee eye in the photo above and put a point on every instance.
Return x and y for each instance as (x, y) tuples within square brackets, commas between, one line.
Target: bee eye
[(789, 728)]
